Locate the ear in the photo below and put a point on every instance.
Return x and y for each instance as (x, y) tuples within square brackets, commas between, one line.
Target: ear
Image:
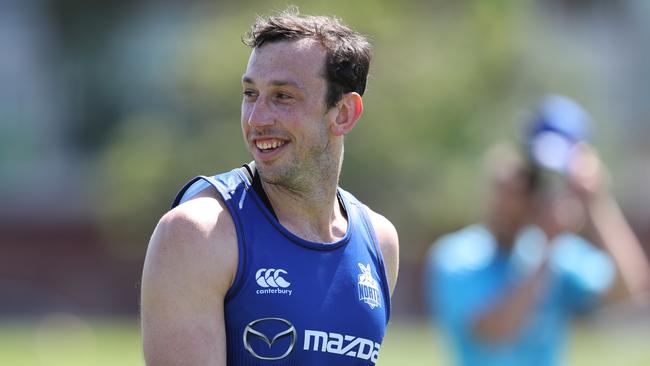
[(349, 110)]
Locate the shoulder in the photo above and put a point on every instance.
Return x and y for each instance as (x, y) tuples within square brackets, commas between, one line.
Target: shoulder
[(586, 272), (196, 238), (469, 238), (464, 250), (388, 243), (572, 254), (201, 218), (385, 232)]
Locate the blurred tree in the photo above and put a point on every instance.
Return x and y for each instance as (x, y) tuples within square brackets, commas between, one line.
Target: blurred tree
[(447, 80), (441, 77)]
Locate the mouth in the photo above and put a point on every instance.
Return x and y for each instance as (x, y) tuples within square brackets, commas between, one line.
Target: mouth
[(267, 146)]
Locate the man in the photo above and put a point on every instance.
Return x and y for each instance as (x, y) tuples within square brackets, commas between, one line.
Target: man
[(504, 293), (272, 263)]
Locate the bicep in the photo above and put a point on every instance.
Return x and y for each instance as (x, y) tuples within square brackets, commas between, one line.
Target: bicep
[(175, 334), (181, 302)]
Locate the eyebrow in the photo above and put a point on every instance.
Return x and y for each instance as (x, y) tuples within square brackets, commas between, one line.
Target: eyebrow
[(249, 80)]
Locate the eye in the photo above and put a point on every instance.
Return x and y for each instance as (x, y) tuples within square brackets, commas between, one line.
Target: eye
[(283, 96), (249, 94)]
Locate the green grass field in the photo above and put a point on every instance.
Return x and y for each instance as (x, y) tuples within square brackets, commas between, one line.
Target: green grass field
[(65, 340), (413, 344)]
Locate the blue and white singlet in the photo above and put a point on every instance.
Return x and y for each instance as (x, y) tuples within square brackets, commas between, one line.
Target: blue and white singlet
[(296, 302)]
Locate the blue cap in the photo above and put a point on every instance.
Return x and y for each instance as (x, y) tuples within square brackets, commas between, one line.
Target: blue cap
[(557, 126)]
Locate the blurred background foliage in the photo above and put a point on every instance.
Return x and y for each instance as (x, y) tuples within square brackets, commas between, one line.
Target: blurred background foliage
[(447, 80), (107, 108), (440, 91)]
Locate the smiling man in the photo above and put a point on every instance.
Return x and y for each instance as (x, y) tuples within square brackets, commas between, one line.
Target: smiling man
[(273, 263)]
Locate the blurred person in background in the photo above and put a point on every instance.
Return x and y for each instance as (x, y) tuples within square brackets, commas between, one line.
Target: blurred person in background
[(273, 261), (504, 291)]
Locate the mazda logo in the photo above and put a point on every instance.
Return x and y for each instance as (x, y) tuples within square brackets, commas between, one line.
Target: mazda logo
[(250, 331)]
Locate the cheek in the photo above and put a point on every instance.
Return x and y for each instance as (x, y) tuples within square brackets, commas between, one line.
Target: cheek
[(513, 208), (318, 132), (245, 117), (245, 113)]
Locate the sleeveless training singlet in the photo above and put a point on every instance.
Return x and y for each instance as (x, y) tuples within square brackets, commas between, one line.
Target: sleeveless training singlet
[(296, 302)]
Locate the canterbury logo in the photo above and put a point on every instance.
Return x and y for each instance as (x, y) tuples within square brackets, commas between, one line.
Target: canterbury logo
[(271, 278)]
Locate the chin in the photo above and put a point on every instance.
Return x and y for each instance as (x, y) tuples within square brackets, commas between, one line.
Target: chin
[(274, 174)]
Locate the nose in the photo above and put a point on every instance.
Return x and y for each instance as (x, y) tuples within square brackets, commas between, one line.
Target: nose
[(260, 115)]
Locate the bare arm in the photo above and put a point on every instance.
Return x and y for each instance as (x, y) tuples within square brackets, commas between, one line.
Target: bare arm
[(190, 264), (505, 316), (389, 245), (589, 177)]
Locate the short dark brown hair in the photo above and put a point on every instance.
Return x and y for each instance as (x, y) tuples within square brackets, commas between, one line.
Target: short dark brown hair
[(506, 160), (348, 53)]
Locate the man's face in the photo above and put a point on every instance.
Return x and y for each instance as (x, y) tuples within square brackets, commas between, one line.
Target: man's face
[(509, 205), (559, 211), (284, 119)]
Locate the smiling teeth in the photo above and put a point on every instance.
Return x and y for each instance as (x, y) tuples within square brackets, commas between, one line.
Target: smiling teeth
[(269, 144)]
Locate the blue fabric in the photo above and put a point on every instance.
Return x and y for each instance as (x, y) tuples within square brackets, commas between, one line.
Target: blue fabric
[(467, 273), (335, 296)]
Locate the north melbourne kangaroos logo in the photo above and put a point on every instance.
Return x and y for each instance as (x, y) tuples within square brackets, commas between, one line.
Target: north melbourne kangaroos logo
[(272, 281), (368, 287)]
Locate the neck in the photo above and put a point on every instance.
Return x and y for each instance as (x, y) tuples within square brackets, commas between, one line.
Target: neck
[(311, 209), (313, 215), (505, 238)]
